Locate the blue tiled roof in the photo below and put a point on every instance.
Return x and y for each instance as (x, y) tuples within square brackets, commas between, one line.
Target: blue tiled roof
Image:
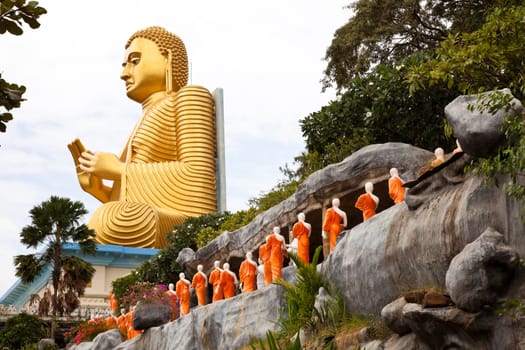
[(107, 255)]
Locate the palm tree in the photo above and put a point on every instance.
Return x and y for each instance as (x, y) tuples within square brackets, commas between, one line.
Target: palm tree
[(53, 223)]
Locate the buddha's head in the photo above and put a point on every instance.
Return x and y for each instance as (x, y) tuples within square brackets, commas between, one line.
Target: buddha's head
[(155, 61)]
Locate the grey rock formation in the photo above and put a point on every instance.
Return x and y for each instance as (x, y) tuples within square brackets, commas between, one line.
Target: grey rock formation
[(149, 315), (226, 324), (432, 183), (411, 249), (107, 340), (406, 342), (373, 345), (457, 329), (479, 131), (392, 316), (481, 273)]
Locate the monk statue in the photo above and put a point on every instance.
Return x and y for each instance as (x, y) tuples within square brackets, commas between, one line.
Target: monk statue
[(264, 261), (215, 280), (248, 274), (301, 231), (367, 202), (228, 281), (439, 153), (166, 172), (200, 284), (182, 288), (396, 191), (173, 300), (334, 222), (275, 247)]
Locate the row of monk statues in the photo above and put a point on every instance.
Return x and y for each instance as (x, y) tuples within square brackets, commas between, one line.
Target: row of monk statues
[(273, 251)]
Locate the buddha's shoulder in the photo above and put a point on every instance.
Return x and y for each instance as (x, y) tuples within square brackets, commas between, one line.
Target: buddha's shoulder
[(192, 91)]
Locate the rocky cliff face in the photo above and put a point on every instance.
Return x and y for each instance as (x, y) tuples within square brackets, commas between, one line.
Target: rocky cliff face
[(373, 263), (399, 250), (452, 233)]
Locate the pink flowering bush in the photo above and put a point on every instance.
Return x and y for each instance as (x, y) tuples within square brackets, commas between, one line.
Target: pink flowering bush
[(86, 331), (145, 292)]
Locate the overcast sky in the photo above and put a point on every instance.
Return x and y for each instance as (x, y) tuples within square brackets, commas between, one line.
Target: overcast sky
[(266, 55)]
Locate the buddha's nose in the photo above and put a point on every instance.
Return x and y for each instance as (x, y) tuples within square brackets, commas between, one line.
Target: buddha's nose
[(124, 75)]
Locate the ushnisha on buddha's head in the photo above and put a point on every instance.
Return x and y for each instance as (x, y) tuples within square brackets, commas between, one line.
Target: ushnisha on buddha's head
[(155, 61)]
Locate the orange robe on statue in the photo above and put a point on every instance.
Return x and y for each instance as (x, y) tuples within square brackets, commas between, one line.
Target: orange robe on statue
[(275, 246), (174, 300), (228, 284), (215, 280), (248, 275), (301, 232), (367, 205), (131, 332), (199, 283), (396, 191), (113, 302), (332, 225), (122, 324), (182, 288), (111, 322), (264, 255)]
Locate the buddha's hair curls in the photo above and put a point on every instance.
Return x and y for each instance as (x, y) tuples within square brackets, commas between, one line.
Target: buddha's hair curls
[(166, 42)]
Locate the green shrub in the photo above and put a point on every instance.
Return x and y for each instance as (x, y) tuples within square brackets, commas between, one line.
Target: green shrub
[(300, 296), (22, 330)]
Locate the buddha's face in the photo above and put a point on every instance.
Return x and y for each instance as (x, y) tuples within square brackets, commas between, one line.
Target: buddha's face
[(144, 69)]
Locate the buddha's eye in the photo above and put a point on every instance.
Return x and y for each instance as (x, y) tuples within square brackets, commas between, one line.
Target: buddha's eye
[(135, 60)]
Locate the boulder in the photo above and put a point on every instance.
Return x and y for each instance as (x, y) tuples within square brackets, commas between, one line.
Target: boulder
[(392, 316), (405, 342), (151, 314), (449, 327), (479, 131), (107, 340), (481, 272)]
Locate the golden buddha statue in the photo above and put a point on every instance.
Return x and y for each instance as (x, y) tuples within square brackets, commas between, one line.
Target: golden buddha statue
[(166, 172)]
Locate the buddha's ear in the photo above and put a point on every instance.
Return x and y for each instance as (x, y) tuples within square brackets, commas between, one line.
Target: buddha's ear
[(169, 73)]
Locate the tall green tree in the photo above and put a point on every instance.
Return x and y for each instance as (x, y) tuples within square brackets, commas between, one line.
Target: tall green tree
[(492, 57), (385, 31), (13, 14), (54, 222), (376, 108)]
